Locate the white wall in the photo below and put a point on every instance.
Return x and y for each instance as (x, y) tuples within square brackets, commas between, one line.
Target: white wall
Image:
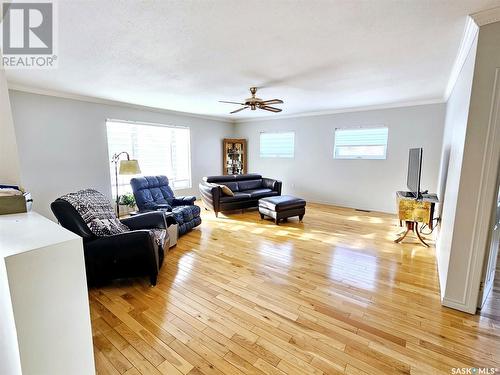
[(9, 160), (461, 235), (366, 184), (63, 146), (457, 114)]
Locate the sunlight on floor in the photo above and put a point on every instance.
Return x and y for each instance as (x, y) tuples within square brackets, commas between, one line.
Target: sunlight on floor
[(186, 262), (284, 253), (331, 283), (335, 238), (347, 266)]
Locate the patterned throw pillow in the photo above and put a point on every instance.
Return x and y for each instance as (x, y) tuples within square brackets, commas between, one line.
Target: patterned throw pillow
[(96, 212)]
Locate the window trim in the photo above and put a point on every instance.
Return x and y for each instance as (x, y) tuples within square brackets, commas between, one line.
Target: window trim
[(149, 123), (132, 122), (277, 156), (364, 157)]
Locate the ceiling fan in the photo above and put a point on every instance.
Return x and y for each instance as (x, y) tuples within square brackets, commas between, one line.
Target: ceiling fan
[(253, 103)]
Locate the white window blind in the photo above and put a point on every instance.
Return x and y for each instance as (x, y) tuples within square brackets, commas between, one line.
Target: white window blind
[(361, 143), (277, 145), (160, 150)]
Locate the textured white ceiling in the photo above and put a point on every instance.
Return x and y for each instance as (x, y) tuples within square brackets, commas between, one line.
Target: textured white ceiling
[(316, 55)]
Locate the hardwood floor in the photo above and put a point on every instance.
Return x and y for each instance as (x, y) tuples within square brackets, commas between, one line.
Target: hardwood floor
[(331, 295)]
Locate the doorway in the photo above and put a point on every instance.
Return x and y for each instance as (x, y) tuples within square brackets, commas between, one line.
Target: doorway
[(489, 293)]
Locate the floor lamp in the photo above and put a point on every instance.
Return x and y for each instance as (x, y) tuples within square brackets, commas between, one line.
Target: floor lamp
[(126, 167)]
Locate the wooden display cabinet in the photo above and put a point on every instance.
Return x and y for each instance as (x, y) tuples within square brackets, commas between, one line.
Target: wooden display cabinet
[(234, 156)]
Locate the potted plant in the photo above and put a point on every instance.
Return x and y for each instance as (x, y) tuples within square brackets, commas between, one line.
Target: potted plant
[(127, 203)]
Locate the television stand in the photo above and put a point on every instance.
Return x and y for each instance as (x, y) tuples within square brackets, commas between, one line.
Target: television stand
[(405, 194), (413, 211), (411, 226)]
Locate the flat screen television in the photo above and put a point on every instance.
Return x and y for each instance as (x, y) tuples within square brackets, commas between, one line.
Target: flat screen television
[(414, 171)]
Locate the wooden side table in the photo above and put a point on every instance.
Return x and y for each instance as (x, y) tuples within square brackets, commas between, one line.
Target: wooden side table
[(413, 211), (172, 226)]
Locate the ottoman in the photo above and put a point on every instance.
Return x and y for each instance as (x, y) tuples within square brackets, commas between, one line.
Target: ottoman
[(282, 207)]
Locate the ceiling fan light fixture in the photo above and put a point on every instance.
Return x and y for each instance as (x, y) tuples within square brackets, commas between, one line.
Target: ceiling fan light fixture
[(256, 103)]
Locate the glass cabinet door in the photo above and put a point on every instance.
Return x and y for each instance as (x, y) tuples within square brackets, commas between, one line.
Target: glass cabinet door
[(234, 152)]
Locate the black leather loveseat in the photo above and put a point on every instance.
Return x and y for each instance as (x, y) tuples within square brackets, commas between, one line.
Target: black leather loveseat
[(247, 190)]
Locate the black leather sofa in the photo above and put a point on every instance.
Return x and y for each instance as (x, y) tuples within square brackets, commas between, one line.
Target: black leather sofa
[(129, 254), (247, 190)]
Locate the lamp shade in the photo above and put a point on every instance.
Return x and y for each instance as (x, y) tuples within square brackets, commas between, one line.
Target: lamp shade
[(129, 167)]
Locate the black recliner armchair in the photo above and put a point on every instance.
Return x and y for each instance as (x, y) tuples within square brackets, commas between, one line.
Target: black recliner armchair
[(154, 193), (138, 252)]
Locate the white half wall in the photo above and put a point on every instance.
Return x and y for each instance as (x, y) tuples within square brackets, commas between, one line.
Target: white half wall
[(457, 114), (470, 193), (47, 329), (63, 145), (365, 184), (9, 159)]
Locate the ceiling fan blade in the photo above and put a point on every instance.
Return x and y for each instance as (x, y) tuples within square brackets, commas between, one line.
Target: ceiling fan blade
[(271, 109), (240, 109), (272, 101), (223, 101)]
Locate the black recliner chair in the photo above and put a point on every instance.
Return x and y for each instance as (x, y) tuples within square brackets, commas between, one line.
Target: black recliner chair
[(153, 193), (129, 254)]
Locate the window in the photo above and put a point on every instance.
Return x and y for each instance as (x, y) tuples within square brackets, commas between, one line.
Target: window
[(277, 145), (360, 143), (160, 150)]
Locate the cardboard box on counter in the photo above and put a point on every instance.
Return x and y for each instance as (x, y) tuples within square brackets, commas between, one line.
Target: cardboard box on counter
[(12, 204)]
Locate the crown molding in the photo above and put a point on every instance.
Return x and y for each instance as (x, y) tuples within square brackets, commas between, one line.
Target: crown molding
[(470, 33), (91, 99), (487, 16), (343, 110), (472, 25)]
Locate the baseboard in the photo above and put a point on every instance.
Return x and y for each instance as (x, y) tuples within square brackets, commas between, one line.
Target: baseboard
[(447, 302)]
